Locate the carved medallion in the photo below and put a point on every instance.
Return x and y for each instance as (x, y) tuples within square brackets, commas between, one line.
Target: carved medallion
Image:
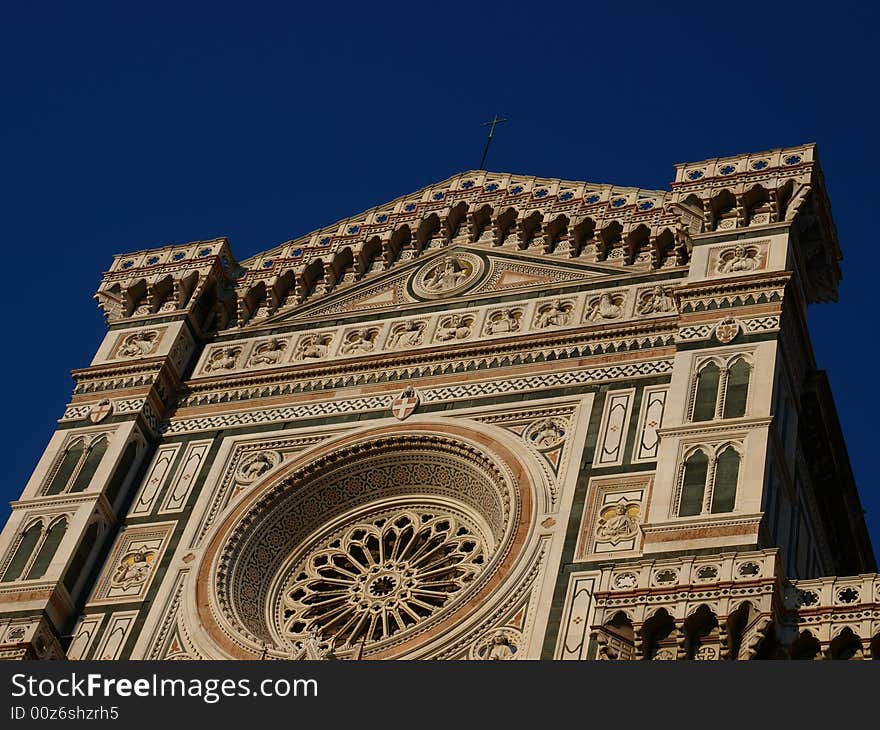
[(706, 653), (448, 275), (253, 466), (546, 433), (497, 645)]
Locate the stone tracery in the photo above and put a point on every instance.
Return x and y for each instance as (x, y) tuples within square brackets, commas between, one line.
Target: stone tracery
[(369, 546), (383, 575)]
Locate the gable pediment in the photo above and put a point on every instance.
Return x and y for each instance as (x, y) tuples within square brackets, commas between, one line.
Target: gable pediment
[(493, 272)]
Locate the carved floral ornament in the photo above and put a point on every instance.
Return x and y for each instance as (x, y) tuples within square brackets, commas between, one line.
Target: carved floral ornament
[(727, 330), (379, 544)]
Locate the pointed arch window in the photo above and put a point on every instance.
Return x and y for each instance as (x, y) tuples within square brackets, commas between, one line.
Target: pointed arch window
[(26, 546), (47, 549), (709, 481), (78, 466), (721, 390), (35, 550), (693, 486), (706, 398), (726, 478), (737, 390)]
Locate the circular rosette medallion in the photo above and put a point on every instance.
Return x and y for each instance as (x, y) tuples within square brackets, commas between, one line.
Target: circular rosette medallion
[(383, 574), (447, 275)]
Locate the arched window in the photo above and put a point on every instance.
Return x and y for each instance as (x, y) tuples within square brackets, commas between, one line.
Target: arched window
[(48, 549), (26, 547), (726, 477), (737, 389), (693, 484), (90, 466), (721, 392), (68, 465), (706, 396), (78, 466)]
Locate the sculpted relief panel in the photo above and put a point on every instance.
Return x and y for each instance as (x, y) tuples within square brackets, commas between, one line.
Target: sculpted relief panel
[(613, 513), (738, 259), (132, 563), (447, 276), (429, 329)]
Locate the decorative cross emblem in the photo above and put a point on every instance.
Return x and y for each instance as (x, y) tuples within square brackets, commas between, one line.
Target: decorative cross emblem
[(100, 411), (405, 404)]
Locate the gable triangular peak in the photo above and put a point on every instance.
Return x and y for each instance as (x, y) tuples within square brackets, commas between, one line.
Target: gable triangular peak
[(611, 228)]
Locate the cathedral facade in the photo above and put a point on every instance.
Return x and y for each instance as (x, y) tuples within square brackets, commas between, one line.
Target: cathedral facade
[(504, 417)]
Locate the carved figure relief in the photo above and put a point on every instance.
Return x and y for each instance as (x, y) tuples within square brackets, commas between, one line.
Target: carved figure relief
[(546, 433), (454, 327), (618, 522), (359, 341), (655, 300), (554, 314), (505, 320), (224, 358), (606, 306), (406, 334), (269, 353), (313, 347), (738, 259), (133, 569), (254, 466), (139, 344), (499, 645), (447, 276)]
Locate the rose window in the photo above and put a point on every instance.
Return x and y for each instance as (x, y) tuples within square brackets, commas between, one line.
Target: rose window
[(382, 575), (384, 543)]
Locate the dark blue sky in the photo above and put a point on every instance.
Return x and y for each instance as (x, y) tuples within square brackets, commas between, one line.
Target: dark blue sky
[(133, 125)]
